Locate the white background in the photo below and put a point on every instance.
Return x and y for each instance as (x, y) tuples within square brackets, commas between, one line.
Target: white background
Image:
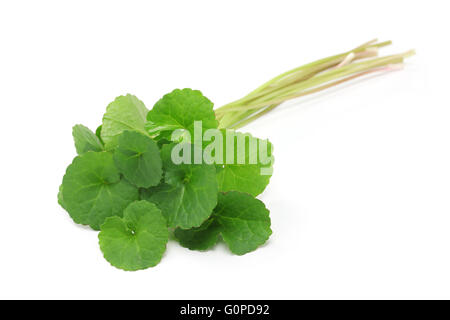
[(359, 198)]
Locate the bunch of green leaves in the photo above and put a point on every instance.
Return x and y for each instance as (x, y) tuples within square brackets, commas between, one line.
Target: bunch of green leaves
[(124, 183)]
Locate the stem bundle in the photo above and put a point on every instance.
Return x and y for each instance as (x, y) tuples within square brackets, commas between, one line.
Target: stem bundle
[(308, 79)]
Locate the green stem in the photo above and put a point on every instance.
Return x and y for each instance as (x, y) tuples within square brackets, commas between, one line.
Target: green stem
[(311, 91), (284, 94), (330, 61), (304, 80)]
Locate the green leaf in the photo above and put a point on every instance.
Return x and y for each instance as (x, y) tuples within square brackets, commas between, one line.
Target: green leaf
[(124, 113), (136, 241), (241, 220), (200, 238), (137, 158), (92, 189), (248, 176), (178, 110), (60, 197), (189, 192), (244, 221), (85, 140)]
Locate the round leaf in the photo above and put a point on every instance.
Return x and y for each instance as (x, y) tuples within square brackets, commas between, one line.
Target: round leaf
[(124, 113), (244, 221), (136, 241), (138, 159), (178, 110), (189, 192), (92, 189), (85, 140), (252, 175)]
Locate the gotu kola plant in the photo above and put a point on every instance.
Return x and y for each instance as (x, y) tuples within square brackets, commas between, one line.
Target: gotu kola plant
[(181, 167)]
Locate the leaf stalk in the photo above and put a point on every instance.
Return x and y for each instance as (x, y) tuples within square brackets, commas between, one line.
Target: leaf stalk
[(309, 79)]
